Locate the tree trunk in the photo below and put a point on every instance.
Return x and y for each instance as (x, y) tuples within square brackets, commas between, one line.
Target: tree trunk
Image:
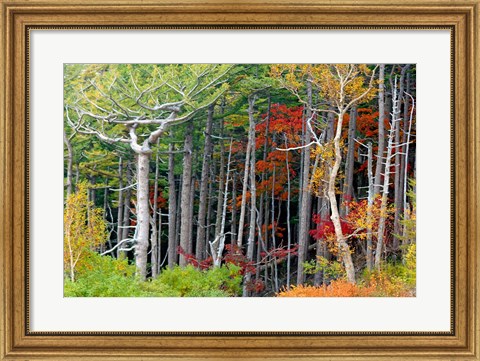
[(153, 235), (350, 161), (388, 158), (68, 144), (172, 209), (381, 129), (126, 212), (398, 180), (202, 208), (306, 198), (221, 182), (178, 218), (274, 241), (369, 208), (120, 204), (253, 191), (186, 220), (218, 245), (289, 232), (241, 222), (344, 249), (209, 207), (233, 228), (143, 214)]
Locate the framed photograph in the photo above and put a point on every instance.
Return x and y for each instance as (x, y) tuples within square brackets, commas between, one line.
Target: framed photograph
[(239, 180)]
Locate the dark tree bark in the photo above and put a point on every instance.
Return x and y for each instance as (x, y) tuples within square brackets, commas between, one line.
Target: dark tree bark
[(120, 202), (350, 161), (306, 197), (253, 192), (69, 147), (172, 209), (221, 181), (186, 220), (398, 181), (204, 181)]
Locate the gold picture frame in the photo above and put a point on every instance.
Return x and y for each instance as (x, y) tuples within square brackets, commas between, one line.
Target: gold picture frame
[(19, 17)]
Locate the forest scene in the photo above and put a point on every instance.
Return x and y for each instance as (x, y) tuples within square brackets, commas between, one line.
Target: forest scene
[(239, 180)]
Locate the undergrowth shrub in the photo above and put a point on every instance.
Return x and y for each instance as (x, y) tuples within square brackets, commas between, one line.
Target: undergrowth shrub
[(337, 288), (392, 280), (104, 276), (192, 282)]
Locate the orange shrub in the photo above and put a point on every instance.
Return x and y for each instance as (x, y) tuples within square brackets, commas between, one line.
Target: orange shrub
[(337, 288)]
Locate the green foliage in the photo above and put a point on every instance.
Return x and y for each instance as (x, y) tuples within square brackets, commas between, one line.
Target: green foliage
[(104, 276), (331, 269), (394, 280), (191, 282), (409, 220)]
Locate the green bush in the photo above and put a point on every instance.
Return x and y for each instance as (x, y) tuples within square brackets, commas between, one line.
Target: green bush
[(332, 270), (104, 276), (191, 282), (394, 280)]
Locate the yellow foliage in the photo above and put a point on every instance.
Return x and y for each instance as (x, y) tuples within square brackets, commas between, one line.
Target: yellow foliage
[(338, 83), (84, 228), (326, 158)]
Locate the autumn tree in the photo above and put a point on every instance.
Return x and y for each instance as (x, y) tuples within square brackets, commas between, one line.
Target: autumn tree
[(135, 105), (340, 86), (83, 228)]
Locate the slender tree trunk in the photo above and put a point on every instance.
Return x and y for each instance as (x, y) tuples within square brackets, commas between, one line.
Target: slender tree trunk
[(263, 211), (204, 180), (186, 220), (407, 148), (218, 245), (221, 182), (172, 209), (68, 144), (241, 222), (209, 207), (274, 241), (105, 208), (398, 184), (381, 129), (253, 191), (126, 212), (289, 231), (190, 216), (178, 219), (388, 158), (350, 161), (233, 229), (369, 209), (260, 218), (398, 180), (306, 198), (153, 235), (120, 204), (344, 249), (159, 241), (143, 214)]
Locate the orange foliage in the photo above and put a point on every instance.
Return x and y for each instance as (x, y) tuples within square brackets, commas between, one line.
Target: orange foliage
[(337, 288), (378, 284)]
